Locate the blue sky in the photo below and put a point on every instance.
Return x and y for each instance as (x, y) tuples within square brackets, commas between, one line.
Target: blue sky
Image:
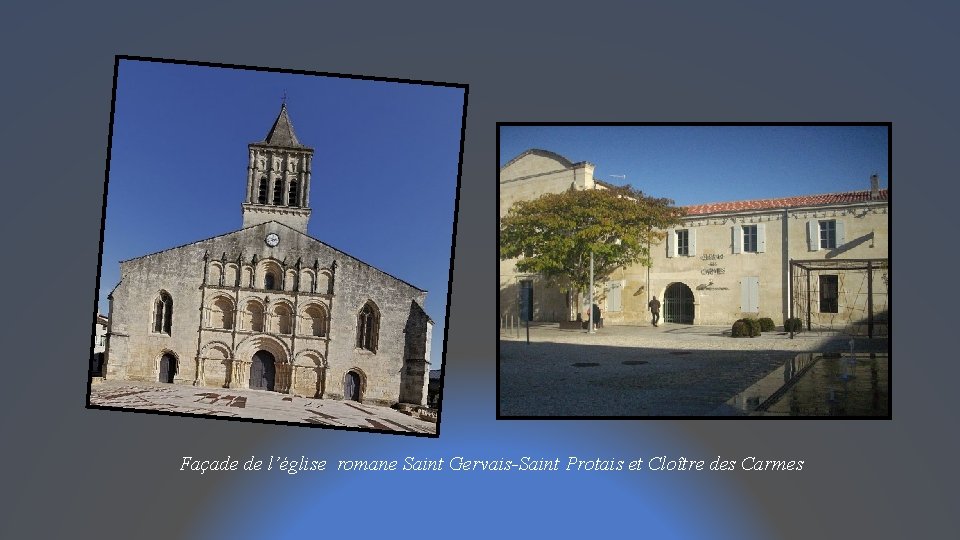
[(384, 168), (703, 164)]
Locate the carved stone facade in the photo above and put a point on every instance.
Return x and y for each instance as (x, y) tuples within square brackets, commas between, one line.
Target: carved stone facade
[(726, 261), (270, 307)]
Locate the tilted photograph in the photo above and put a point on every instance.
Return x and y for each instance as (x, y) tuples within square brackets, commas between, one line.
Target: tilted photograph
[(694, 270), (276, 246)]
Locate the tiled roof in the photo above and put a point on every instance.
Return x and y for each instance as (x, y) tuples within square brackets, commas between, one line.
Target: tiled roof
[(786, 202), (281, 134)]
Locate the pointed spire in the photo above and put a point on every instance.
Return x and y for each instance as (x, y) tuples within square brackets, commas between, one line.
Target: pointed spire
[(281, 134)]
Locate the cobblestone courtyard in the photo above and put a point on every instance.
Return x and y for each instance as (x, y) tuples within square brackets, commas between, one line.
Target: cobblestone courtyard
[(671, 370), (255, 404)]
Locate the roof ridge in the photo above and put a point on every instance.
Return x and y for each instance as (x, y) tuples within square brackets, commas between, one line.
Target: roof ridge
[(856, 191)]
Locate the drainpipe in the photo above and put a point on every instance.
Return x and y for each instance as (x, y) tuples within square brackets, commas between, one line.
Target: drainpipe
[(785, 264)]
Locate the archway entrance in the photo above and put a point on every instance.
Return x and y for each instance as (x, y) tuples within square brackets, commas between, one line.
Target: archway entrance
[(678, 304), (168, 368), (351, 386), (262, 371)]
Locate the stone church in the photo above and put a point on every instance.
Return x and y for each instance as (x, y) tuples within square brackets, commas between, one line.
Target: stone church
[(268, 307)]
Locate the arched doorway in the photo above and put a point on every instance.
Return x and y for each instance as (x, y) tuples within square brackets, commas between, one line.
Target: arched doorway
[(351, 386), (168, 368), (678, 304), (262, 371)]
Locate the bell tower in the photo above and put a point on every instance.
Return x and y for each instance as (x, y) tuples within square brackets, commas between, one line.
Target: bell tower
[(278, 178)]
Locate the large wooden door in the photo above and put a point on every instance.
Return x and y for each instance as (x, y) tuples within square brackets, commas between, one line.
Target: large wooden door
[(168, 368), (351, 386), (262, 371)]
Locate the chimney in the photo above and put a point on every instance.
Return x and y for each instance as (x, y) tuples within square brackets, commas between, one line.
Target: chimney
[(874, 186)]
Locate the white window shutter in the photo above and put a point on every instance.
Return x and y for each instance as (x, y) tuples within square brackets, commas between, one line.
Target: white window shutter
[(671, 243), (737, 239), (761, 239), (692, 239), (813, 235), (840, 236), (614, 296), (750, 295)]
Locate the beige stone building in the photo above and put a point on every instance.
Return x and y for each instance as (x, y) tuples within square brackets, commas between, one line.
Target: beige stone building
[(267, 306), (822, 258), (99, 344)]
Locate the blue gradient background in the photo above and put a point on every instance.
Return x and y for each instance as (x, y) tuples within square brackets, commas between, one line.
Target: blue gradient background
[(69, 471)]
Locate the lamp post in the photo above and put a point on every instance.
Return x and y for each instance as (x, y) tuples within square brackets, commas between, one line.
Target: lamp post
[(590, 329)]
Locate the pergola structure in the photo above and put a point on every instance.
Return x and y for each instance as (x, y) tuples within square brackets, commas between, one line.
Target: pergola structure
[(852, 292)]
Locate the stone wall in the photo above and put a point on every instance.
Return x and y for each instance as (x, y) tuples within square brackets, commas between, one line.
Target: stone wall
[(135, 349)]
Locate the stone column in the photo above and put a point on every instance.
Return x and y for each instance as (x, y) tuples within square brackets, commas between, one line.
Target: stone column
[(308, 166), (198, 379)]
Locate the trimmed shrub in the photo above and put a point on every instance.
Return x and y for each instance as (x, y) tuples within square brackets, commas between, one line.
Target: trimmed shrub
[(754, 326), (766, 324), (740, 329), (793, 325)]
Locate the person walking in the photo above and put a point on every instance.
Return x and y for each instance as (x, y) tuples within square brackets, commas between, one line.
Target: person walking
[(597, 319), (654, 306)]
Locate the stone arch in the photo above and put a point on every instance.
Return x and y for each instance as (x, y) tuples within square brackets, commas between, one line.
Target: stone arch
[(247, 277), (368, 326), (249, 346), (323, 282), (267, 268), (220, 312), (309, 373), (244, 359), (166, 366), (314, 320), (162, 314), (307, 280), (353, 384), (215, 359), (679, 303), (214, 273), (230, 275), (281, 315), (254, 315), (290, 280)]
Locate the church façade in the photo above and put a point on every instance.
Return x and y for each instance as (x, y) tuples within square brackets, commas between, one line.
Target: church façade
[(268, 307)]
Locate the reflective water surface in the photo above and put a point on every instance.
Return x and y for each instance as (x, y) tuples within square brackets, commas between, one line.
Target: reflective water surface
[(814, 384)]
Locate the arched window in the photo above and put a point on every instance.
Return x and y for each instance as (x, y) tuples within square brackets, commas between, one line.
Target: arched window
[(253, 319), (215, 274), (368, 327), (163, 313), (221, 313), (283, 317), (315, 321), (278, 192), (262, 196), (269, 281), (294, 194)]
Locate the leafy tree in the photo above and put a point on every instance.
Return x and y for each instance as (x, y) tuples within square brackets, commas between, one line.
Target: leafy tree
[(554, 235)]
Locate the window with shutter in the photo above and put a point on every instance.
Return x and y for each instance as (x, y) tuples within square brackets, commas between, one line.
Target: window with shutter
[(614, 296), (750, 295), (813, 235)]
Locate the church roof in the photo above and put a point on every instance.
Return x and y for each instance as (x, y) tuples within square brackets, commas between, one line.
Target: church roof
[(823, 199), (281, 134)]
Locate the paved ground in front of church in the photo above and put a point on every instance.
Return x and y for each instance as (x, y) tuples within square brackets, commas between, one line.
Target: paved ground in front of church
[(254, 404), (670, 370)]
